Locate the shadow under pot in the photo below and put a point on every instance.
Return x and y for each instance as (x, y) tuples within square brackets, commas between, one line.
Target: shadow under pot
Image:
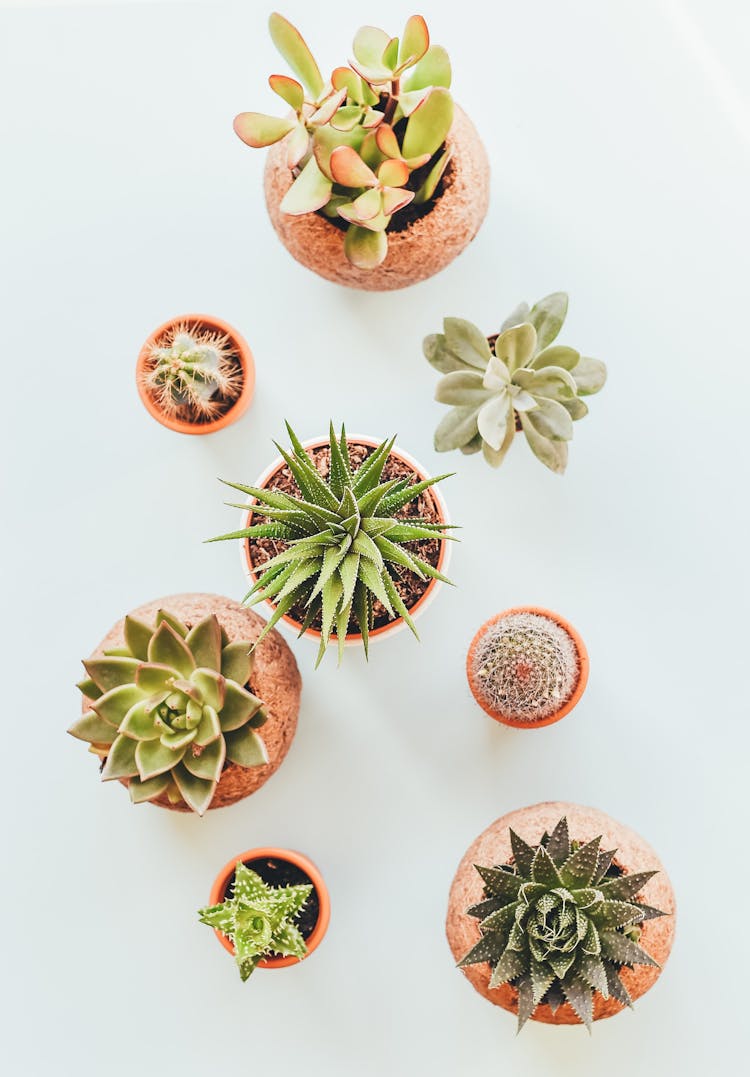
[(269, 908), (177, 709), (559, 914), (195, 374)]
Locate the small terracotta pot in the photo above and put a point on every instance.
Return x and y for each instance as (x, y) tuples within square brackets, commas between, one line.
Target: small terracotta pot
[(428, 245), (221, 882), (275, 679), (354, 638), (583, 669), (241, 349), (493, 847)]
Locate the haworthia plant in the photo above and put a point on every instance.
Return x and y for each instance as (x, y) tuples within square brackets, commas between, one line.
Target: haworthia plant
[(344, 541), (523, 380), (369, 141), (191, 372), (559, 923), (259, 919), (170, 707)]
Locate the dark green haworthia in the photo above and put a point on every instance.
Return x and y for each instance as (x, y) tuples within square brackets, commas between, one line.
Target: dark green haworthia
[(559, 923), (170, 707)]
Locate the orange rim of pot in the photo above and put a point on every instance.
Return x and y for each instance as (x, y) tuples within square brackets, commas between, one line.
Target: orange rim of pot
[(355, 637), (583, 668), (246, 361), (221, 881)]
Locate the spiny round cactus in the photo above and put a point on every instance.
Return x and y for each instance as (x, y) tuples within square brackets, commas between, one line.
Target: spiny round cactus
[(191, 373), (560, 922), (170, 707), (524, 667)]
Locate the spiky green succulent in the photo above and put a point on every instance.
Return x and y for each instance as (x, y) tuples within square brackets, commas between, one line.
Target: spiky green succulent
[(523, 381), (559, 923), (191, 372), (344, 542), (170, 707), (370, 140), (259, 919)]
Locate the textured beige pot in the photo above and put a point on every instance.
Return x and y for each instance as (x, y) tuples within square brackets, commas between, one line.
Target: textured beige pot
[(428, 245), (633, 855), (275, 679)]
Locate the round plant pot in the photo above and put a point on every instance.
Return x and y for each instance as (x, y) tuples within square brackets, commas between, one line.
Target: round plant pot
[(242, 353), (573, 699), (354, 639), (493, 847), (427, 245), (307, 868), (275, 679)]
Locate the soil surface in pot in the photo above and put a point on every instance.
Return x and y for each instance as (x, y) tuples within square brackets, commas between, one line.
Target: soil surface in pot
[(277, 872), (425, 507)]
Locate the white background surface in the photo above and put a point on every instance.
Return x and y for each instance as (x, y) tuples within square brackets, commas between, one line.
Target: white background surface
[(620, 144)]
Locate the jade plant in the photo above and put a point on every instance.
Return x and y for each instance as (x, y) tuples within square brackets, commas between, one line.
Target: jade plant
[(170, 707), (259, 919), (190, 371), (559, 923), (519, 380), (344, 542), (369, 141)]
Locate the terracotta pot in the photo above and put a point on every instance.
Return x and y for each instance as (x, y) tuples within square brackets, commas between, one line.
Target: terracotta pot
[(355, 638), (241, 350), (567, 707), (221, 881), (428, 245), (275, 679), (493, 847)]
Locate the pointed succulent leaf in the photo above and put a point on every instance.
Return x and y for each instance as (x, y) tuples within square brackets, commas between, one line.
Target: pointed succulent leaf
[(140, 722), (558, 845), (115, 704), (483, 950), (90, 727), (526, 1004), (165, 617), (625, 887), (236, 663), (137, 637), (295, 51), (204, 641), (309, 192), (169, 649), (121, 762), (580, 868), (108, 673), (616, 987), (523, 854), (152, 757), (622, 950), (211, 686), (543, 869), (196, 792), (246, 748), (608, 914), (239, 705), (581, 998), (141, 791), (207, 762), (591, 970), (510, 965)]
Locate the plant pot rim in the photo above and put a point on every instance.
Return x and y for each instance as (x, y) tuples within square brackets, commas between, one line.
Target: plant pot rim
[(246, 361), (271, 852), (396, 625), (583, 668)]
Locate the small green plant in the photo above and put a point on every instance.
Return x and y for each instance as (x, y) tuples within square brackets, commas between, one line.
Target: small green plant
[(559, 923), (170, 707), (368, 142), (259, 919), (191, 373), (519, 380), (344, 542)]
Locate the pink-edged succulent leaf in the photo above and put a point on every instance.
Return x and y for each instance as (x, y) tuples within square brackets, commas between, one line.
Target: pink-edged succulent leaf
[(368, 205), (428, 188), (327, 139), (107, 673), (141, 791), (346, 118), (434, 69), (386, 140), (152, 757), (393, 173), (370, 44), (204, 640), (357, 89), (289, 90), (394, 199), (206, 762), (246, 748), (169, 649), (297, 145), (121, 761), (309, 192), (90, 727), (372, 118), (196, 792), (258, 130), (293, 48), (410, 100), (378, 223), (365, 249), (414, 42), (236, 663), (211, 686), (429, 124), (140, 722), (209, 727), (349, 170), (328, 109)]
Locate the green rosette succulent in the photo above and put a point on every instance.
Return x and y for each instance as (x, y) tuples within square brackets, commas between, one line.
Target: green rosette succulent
[(259, 919), (170, 707), (559, 923), (369, 141), (522, 381)]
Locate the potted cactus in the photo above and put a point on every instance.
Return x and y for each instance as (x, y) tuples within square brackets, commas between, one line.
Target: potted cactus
[(559, 914), (269, 908), (344, 537), (516, 380), (185, 706), (527, 667), (375, 179), (195, 374)]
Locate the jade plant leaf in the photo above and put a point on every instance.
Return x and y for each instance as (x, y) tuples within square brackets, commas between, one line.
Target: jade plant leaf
[(295, 51)]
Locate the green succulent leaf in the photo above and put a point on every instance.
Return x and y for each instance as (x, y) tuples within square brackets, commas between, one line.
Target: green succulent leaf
[(207, 762), (141, 791), (196, 792), (258, 130), (295, 51), (246, 748), (365, 248), (121, 762), (169, 649), (547, 317), (309, 192), (90, 727), (434, 69), (204, 641), (108, 673), (589, 376), (428, 126)]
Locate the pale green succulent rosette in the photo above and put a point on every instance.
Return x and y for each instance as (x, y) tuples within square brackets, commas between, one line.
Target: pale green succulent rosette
[(170, 708), (524, 379), (259, 919)]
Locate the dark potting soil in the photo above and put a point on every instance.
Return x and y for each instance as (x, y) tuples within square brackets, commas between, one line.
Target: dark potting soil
[(277, 872), (409, 586)]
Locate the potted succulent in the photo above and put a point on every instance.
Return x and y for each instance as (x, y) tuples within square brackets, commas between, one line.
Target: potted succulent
[(560, 914), (375, 178), (186, 706), (195, 374), (527, 667), (269, 908), (516, 380), (344, 538)]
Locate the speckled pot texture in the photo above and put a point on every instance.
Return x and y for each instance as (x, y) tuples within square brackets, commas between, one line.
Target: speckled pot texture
[(275, 679), (633, 855), (428, 245)]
